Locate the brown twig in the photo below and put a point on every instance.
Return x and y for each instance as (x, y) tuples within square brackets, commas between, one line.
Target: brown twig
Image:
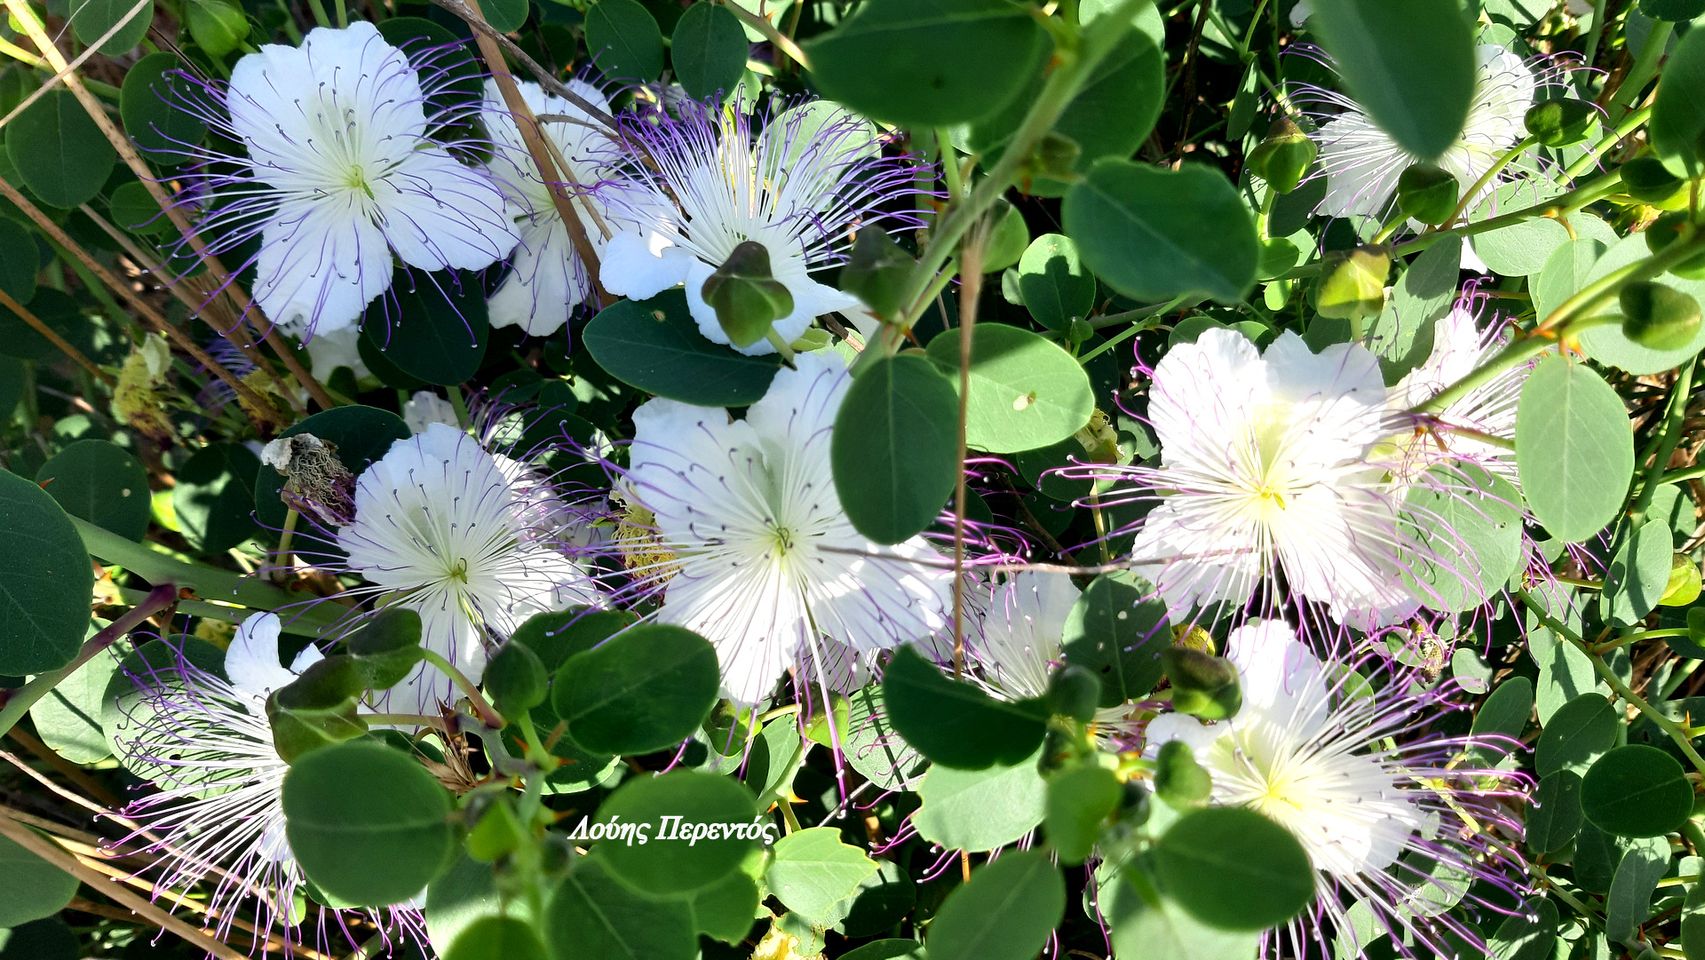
[(58, 856), (52, 336), (537, 148), (132, 159), (151, 317)]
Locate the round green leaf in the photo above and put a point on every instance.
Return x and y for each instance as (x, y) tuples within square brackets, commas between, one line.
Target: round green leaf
[(505, 16), (20, 260), (674, 859), (644, 689), (44, 597), (1636, 791), (68, 719), (1576, 735), (97, 481), (1410, 65), (1638, 574), (1555, 816), (433, 328), (47, 939), (1233, 868), (813, 872), (496, 938), (1117, 630), (592, 914), (58, 151), (1574, 448), (1519, 249), (91, 19), (1053, 282), (894, 448), (1154, 234), (1025, 391), (34, 889), (954, 723), (1005, 912), (708, 50), (1678, 112), (368, 824), (923, 63), (150, 104), (1462, 537), (217, 26), (979, 810), (656, 346), (624, 40), (1079, 798)]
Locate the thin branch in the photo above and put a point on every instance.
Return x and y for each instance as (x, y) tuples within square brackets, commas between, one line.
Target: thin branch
[(127, 151), (56, 855), (52, 336)]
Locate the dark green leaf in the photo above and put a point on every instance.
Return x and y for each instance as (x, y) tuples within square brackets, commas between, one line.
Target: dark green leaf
[(368, 824), (1576, 735), (1678, 113), (58, 151), (1079, 798), (1117, 630), (928, 63), (433, 328), (952, 722), (1233, 868), (708, 51), (894, 448), (151, 103), (592, 914), (44, 597), (1410, 65), (1005, 912), (1636, 791), (644, 689), (1053, 282), (1153, 234), (624, 40), (656, 346), (97, 481), (496, 938), (674, 859)]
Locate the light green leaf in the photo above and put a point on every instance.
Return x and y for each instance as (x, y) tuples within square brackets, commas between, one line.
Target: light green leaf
[(1026, 392), (1005, 912), (1574, 448), (814, 873)]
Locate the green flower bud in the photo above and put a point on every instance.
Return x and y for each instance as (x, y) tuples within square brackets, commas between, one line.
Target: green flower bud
[(1353, 284), (1659, 317), (746, 296), (515, 679), (1559, 123), (1178, 778), (1428, 192), (1666, 230), (877, 270), (1074, 691), (1203, 686), (1647, 179), (1056, 157), (497, 832), (1684, 584), (1284, 157)]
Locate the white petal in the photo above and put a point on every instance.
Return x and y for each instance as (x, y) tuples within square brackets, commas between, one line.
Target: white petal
[(438, 213), (1362, 164), (640, 265), (1196, 553), (320, 265), (251, 662), (1204, 396), (543, 285), (1282, 681)]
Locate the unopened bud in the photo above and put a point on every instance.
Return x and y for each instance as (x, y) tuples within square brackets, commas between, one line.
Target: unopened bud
[(1429, 193), (1659, 317), (747, 297), (1647, 179), (1203, 686), (1284, 157)]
